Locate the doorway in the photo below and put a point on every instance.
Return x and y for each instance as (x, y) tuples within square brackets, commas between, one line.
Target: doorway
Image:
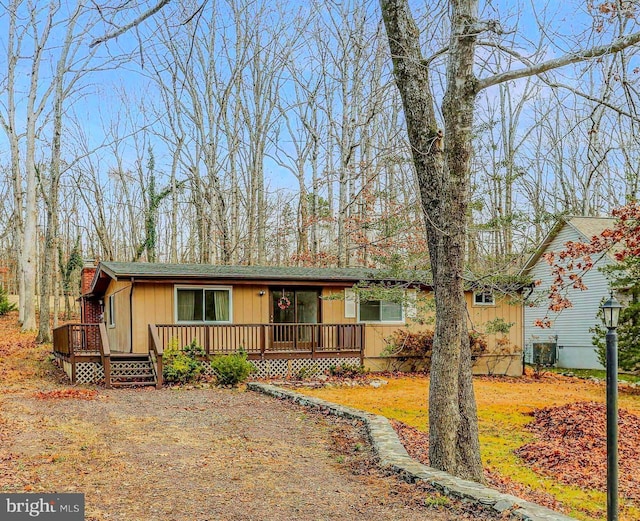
[(291, 310)]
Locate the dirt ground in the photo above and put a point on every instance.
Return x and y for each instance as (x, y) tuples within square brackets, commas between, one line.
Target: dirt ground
[(190, 454), (201, 455)]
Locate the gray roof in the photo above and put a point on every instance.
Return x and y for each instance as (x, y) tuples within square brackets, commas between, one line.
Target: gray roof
[(145, 270), (587, 227)]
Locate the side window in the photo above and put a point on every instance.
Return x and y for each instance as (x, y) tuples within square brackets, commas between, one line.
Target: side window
[(112, 310), (380, 311), (483, 298)]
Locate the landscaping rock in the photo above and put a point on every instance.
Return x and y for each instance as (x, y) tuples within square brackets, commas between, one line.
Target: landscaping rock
[(393, 455)]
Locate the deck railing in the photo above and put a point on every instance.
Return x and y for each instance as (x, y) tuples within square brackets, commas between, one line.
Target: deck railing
[(265, 339), (71, 340), (156, 352)]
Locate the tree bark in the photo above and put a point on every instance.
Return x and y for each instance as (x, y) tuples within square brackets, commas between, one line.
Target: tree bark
[(442, 162)]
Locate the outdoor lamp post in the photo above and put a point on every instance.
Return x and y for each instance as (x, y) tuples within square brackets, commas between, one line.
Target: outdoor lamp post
[(611, 310)]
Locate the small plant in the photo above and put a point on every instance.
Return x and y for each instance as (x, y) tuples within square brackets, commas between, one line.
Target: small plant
[(182, 365), (437, 501), (231, 370), (306, 372), (346, 370), (5, 305), (194, 350)]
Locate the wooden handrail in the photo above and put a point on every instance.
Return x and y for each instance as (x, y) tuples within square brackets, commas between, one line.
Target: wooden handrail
[(156, 351), (263, 339), (105, 354)]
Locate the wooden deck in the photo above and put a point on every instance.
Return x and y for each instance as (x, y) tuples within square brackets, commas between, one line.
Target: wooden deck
[(84, 348)]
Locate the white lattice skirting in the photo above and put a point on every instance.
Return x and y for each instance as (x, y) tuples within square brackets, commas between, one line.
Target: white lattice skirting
[(89, 373), (93, 372), (298, 367)]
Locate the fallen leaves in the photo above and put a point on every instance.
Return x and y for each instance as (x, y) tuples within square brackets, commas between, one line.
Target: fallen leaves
[(417, 444), (65, 394), (572, 447)]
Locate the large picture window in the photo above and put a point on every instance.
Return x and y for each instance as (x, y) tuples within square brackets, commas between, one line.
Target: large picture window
[(203, 304), (381, 311)]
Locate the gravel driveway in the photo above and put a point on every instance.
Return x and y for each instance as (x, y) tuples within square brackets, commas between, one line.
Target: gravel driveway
[(201, 454)]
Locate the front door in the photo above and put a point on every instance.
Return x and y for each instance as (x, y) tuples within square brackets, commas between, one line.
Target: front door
[(291, 309)]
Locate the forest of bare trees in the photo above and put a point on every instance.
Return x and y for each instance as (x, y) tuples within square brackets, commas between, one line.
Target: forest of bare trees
[(244, 132)]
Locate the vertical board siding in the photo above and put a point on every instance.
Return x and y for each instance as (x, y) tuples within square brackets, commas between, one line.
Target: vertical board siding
[(571, 325), (119, 336), (153, 303)]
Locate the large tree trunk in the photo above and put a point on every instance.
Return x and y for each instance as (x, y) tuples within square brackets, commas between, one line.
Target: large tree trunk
[(442, 163)]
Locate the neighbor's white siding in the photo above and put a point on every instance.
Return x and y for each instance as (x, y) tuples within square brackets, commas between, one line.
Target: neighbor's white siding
[(571, 325)]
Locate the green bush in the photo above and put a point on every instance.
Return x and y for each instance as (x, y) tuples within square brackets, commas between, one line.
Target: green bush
[(182, 365), (230, 370), (5, 305)]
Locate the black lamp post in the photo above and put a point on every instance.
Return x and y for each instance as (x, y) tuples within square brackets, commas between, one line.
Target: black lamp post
[(611, 310)]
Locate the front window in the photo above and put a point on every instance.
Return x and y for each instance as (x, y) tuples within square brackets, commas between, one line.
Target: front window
[(208, 304), (381, 311), (483, 298)]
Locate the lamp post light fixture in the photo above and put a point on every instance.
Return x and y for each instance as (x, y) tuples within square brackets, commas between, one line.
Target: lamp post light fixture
[(611, 310)]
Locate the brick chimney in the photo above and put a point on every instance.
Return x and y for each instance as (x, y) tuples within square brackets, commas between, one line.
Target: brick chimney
[(88, 271)]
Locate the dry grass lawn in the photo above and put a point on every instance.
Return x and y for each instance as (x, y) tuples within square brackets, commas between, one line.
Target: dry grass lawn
[(504, 405)]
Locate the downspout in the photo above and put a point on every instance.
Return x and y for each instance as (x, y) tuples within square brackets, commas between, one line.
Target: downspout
[(131, 316)]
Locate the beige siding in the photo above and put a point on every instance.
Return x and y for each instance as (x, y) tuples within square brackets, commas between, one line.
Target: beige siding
[(119, 334), (154, 304), (249, 307), (499, 359), (333, 307)]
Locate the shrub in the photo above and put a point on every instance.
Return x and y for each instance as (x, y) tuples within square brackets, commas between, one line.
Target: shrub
[(182, 365), (405, 344), (347, 370), (230, 370), (5, 305)]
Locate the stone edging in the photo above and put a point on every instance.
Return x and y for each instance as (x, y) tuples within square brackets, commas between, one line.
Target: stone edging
[(392, 454)]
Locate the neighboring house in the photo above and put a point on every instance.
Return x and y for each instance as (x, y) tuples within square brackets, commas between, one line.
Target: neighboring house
[(285, 318), (569, 334)]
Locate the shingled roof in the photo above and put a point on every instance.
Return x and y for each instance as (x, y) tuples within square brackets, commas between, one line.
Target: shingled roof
[(159, 271), (587, 227)]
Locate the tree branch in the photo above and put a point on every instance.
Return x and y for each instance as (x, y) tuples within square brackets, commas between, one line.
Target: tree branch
[(555, 85), (617, 45), (134, 23)]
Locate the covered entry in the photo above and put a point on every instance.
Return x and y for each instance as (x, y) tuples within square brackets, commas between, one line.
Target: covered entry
[(293, 313)]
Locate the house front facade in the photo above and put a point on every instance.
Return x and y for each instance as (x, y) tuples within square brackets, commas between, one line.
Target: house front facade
[(286, 319)]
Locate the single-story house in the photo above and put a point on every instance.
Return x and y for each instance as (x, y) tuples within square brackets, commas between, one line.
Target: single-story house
[(568, 338), (285, 318)]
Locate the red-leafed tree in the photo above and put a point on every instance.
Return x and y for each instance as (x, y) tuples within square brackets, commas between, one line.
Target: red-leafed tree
[(622, 242), (569, 266)]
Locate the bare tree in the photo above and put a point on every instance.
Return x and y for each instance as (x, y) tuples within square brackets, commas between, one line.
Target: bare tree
[(442, 159)]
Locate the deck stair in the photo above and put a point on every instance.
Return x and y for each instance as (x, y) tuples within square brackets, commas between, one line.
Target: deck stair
[(132, 370)]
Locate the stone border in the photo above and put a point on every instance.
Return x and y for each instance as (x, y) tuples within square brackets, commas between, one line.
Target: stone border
[(392, 454)]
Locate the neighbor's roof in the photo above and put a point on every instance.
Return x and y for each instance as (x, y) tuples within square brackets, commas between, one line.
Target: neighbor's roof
[(587, 227), (156, 271)]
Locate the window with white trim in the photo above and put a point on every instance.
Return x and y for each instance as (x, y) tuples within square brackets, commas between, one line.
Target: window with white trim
[(203, 304), (112, 310), (380, 311), (483, 298)]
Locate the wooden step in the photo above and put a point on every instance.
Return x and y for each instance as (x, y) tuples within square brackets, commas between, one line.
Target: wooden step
[(132, 384), (129, 356)]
